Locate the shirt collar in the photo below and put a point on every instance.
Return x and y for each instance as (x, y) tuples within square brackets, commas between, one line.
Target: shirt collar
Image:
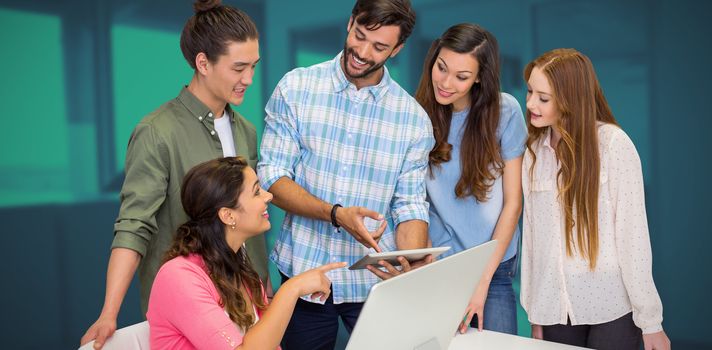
[(341, 82), (544, 141), (198, 109), (546, 138)]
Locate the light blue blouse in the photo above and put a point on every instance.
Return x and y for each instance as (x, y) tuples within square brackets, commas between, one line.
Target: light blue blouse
[(463, 223)]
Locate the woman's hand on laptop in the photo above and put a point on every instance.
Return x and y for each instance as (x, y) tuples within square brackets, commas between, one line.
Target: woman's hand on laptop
[(391, 271), (476, 306)]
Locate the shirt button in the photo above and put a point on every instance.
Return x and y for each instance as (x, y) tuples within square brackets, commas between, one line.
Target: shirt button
[(200, 118), (210, 114), (212, 132)]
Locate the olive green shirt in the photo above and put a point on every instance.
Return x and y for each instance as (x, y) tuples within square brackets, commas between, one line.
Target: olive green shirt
[(162, 148)]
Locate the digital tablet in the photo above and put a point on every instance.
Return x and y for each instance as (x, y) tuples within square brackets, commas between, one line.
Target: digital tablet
[(392, 257)]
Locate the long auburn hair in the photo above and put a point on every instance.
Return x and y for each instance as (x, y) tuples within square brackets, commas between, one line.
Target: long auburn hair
[(579, 98), (480, 158), (206, 189)]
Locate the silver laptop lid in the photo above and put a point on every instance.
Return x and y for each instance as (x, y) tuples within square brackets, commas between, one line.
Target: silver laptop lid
[(421, 309)]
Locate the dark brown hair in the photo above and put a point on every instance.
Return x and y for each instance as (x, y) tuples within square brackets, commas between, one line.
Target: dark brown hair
[(206, 189), (579, 98), (212, 28), (480, 157), (373, 14)]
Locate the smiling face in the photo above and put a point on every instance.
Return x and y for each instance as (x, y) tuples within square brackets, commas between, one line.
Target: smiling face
[(541, 105), (366, 51), (250, 216), (231, 74), (453, 75)]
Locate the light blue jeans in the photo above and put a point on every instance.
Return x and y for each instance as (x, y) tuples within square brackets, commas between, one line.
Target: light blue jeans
[(500, 312)]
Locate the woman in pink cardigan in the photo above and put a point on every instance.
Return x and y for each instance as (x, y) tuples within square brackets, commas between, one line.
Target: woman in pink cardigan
[(207, 295)]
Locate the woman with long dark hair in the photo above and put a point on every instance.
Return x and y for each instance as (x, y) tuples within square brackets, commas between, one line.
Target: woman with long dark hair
[(586, 257), (474, 187), (207, 295)]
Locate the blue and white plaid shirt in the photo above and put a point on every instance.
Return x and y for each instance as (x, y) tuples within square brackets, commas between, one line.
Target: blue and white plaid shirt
[(366, 147)]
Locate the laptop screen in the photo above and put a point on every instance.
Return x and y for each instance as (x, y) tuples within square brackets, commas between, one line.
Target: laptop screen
[(421, 309)]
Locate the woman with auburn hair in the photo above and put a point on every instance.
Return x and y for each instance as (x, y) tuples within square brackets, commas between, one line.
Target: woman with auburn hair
[(586, 257), (474, 188), (207, 295)]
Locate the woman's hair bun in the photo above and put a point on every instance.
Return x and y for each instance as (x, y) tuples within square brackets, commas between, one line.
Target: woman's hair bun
[(205, 5)]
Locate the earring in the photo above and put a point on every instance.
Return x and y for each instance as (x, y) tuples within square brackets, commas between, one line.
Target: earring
[(232, 224)]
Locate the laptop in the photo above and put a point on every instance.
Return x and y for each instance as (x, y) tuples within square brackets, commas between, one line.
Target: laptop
[(421, 309)]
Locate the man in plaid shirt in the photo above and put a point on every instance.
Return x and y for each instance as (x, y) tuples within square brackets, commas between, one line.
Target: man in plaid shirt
[(345, 153)]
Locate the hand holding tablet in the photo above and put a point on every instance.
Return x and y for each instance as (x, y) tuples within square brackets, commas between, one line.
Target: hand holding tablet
[(392, 257)]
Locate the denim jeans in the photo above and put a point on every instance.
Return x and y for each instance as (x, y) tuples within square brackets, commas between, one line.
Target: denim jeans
[(500, 313), (315, 326)]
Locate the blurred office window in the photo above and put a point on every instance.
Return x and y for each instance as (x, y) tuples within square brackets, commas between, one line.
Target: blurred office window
[(622, 65), (307, 57), (511, 76), (148, 70), (34, 163), (316, 44)]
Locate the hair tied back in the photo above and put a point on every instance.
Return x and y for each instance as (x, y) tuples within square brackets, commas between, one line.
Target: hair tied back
[(205, 5)]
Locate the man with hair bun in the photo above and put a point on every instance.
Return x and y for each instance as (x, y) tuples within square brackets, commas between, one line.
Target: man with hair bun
[(221, 44)]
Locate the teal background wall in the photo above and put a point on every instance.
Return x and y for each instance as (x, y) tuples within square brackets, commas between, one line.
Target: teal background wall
[(78, 75)]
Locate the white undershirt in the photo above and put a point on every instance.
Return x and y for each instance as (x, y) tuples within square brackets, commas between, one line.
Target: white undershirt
[(222, 126)]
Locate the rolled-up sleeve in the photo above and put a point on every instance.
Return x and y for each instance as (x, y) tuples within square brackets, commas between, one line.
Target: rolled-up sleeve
[(280, 141), (631, 233), (409, 199), (143, 191)]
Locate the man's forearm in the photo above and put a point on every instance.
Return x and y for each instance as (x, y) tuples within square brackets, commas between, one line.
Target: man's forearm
[(294, 199), (122, 266), (412, 234)]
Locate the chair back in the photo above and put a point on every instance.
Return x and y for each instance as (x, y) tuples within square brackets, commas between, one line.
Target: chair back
[(134, 337)]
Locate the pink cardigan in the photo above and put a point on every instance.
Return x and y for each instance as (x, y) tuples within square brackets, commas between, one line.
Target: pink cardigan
[(184, 309)]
